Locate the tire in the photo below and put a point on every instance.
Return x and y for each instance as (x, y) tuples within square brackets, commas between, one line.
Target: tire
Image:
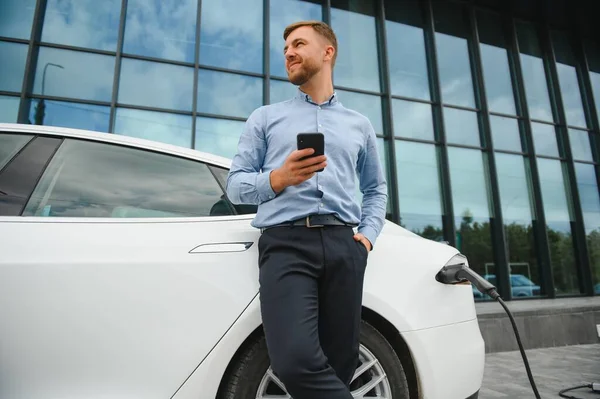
[(247, 374)]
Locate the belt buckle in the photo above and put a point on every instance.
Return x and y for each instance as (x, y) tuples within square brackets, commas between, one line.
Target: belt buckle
[(310, 226)]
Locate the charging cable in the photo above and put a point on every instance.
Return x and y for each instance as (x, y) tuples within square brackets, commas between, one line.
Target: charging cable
[(453, 274)]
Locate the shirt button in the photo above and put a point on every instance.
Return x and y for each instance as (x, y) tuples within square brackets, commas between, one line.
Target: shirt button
[(320, 125), (320, 187), (321, 205)]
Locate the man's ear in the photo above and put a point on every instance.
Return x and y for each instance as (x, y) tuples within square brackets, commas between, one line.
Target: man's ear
[(329, 53)]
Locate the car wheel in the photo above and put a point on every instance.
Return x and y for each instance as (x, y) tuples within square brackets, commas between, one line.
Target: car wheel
[(379, 374)]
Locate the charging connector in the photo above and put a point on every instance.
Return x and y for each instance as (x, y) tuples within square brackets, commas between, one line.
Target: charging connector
[(460, 273)]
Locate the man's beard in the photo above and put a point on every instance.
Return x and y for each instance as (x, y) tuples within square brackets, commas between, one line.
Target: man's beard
[(306, 70)]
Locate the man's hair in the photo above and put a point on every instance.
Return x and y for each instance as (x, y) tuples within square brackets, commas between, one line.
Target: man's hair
[(321, 28)]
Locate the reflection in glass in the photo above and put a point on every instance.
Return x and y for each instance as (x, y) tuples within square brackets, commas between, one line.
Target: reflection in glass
[(453, 54), (369, 106), (471, 207), (73, 115), (412, 119), (140, 184), (569, 88), (580, 145), (12, 65), (228, 94), (156, 85), (83, 23), (498, 84), (164, 29), (231, 34), (505, 133), (544, 139), (461, 127), (281, 91), (75, 74), (517, 210), (9, 109), (558, 221), (593, 57), (283, 13), (534, 75), (10, 145), (567, 77), (420, 199), (16, 17), (406, 49), (590, 206), (494, 57), (357, 63), (157, 126), (218, 136), (455, 70)]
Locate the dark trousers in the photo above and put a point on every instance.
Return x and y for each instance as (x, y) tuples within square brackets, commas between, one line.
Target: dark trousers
[(311, 283)]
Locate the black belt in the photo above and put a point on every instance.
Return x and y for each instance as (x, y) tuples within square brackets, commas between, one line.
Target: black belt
[(312, 221)]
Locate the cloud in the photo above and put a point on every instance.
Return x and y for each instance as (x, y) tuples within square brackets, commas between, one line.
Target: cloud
[(455, 70), (83, 23), (157, 126), (162, 29), (218, 136), (412, 119), (228, 94)]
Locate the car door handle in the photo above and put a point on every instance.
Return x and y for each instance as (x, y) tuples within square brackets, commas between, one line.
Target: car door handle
[(221, 247)]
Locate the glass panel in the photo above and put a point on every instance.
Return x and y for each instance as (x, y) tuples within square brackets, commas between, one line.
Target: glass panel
[(406, 49), (283, 13), (558, 221), (231, 34), (369, 106), (471, 207), (156, 85), (281, 91), (73, 115), (164, 29), (567, 77), (412, 120), (141, 184), (228, 94), (74, 74), (9, 109), (12, 65), (218, 136), (590, 206), (461, 127), (10, 145), (357, 64), (534, 75), (505, 133), (517, 209), (580, 145), (593, 56), (453, 54), (419, 189), (83, 23), (156, 126), (494, 57), (16, 18), (544, 139)]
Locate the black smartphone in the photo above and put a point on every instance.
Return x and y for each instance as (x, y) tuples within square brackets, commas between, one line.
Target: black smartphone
[(312, 140)]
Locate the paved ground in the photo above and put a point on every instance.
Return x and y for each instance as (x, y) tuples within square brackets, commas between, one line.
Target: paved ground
[(553, 370)]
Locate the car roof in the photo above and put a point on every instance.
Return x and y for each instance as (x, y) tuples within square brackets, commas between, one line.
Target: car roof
[(117, 139)]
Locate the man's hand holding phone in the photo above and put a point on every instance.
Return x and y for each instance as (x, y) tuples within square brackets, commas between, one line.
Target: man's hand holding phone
[(298, 167)]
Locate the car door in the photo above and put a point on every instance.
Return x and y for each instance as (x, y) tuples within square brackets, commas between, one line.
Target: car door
[(123, 270)]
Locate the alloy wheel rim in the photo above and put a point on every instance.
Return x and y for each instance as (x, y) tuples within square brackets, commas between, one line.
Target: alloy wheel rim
[(369, 381)]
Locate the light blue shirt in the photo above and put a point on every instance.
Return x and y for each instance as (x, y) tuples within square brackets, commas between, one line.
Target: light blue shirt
[(268, 138)]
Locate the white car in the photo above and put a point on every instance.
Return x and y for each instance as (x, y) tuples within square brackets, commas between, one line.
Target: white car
[(126, 273)]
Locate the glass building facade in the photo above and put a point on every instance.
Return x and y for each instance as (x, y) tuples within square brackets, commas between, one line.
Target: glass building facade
[(486, 110)]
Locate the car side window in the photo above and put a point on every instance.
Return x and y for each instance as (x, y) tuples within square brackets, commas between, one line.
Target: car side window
[(91, 179), (10, 145), (221, 175)]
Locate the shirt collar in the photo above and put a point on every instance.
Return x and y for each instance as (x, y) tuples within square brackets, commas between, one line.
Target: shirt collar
[(300, 95)]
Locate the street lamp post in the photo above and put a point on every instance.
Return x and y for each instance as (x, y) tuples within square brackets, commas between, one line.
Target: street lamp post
[(41, 106)]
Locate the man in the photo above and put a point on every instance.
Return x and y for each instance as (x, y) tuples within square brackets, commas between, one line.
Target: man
[(311, 262)]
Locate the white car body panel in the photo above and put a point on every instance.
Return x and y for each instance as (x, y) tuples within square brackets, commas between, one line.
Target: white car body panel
[(85, 315)]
